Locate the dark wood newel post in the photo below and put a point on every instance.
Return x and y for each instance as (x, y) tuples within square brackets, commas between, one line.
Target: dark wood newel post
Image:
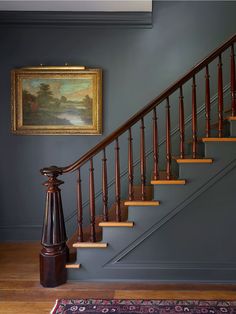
[(54, 253)]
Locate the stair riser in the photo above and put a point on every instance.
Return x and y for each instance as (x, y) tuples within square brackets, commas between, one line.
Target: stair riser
[(200, 149), (233, 128), (229, 130), (221, 152)]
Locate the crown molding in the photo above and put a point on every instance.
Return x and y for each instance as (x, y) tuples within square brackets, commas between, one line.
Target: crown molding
[(84, 19)]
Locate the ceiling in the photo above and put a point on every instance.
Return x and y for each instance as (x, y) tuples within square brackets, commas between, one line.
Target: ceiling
[(78, 5)]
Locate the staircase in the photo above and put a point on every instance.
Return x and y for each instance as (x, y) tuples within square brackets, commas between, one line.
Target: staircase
[(162, 225)]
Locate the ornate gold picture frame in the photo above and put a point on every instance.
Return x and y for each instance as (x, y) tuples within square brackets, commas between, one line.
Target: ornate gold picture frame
[(56, 100)]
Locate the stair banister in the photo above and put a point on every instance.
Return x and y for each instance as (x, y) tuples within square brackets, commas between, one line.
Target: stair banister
[(207, 103), (80, 208), (155, 146), (130, 166), (54, 251), (232, 81), (194, 118), (104, 186), (220, 97), (181, 123)]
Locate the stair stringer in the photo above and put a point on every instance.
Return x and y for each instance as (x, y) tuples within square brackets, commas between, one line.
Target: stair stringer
[(101, 264)]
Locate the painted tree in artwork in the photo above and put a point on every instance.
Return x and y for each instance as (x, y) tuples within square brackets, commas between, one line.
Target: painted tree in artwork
[(88, 101), (88, 111), (44, 95), (29, 101)]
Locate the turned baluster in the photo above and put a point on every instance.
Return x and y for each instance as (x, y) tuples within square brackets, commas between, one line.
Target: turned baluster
[(104, 186), (194, 119), (117, 180), (80, 208), (168, 141), (54, 254), (142, 160), (92, 202), (232, 82), (155, 146), (130, 166), (220, 98), (207, 103), (181, 123)]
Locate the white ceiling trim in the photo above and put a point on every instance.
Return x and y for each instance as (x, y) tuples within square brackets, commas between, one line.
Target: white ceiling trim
[(78, 5)]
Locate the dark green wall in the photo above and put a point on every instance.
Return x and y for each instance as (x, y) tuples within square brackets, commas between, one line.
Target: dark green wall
[(137, 64)]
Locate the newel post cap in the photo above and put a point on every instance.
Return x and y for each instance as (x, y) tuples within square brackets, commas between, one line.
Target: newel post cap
[(52, 171)]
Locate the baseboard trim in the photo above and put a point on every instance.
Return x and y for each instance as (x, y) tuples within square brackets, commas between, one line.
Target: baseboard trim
[(10, 233)]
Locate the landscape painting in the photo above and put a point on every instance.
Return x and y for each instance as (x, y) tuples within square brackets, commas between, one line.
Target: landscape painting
[(54, 103), (57, 101)]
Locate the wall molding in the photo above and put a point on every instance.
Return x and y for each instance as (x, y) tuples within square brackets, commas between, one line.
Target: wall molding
[(84, 19), (116, 262), (186, 265)]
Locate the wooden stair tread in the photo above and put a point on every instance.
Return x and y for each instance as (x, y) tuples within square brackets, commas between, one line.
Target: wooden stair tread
[(72, 266), (170, 182), (90, 245), (142, 203), (231, 118), (116, 224), (194, 160), (219, 139)]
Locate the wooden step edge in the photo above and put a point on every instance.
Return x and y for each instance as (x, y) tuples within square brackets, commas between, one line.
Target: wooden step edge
[(194, 161), (73, 266), (219, 139), (231, 118), (128, 224), (142, 203), (90, 245), (170, 182)]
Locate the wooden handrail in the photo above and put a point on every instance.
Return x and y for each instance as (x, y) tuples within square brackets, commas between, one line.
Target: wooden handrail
[(141, 113)]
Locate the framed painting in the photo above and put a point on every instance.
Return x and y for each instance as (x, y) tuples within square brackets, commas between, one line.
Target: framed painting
[(63, 100)]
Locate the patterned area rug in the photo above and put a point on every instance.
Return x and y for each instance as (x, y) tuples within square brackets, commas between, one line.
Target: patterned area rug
[(143, 306)]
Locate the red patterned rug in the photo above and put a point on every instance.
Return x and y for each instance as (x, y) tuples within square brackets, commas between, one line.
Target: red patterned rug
[(143, 306)]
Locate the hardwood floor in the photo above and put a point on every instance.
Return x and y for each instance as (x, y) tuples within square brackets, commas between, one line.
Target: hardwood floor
[(21, 293)]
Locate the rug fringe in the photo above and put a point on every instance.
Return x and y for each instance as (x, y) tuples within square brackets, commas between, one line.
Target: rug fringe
[(53, 309)]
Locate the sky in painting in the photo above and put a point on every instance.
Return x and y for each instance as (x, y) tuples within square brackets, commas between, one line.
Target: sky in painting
[(72, 89)]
